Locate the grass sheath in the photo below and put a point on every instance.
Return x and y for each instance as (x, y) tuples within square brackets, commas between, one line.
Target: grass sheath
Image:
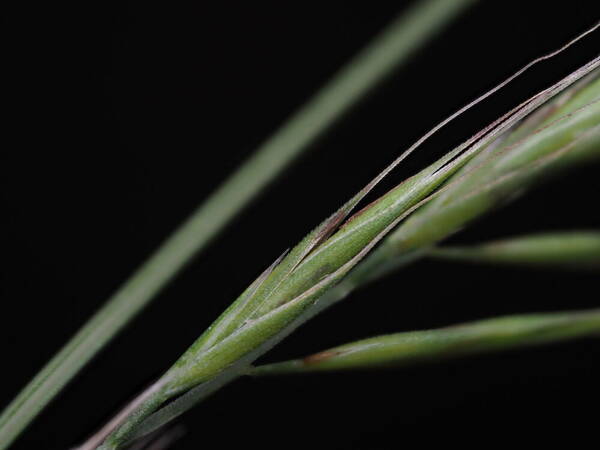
[(574, 250), (415, 347), (485, 172), (392, 47)]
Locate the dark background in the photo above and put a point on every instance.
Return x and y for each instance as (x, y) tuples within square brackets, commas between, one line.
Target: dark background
[(124, 116)]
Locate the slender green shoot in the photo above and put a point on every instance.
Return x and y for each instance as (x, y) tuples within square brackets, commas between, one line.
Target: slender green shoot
[(573, 250), (415, 347)]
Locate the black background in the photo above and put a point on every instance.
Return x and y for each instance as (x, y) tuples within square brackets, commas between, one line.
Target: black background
[(124, 116)]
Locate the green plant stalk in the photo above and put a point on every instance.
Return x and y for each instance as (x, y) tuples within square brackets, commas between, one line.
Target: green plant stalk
[(415, 347), (387, 51), (287, 294), (570, 250)]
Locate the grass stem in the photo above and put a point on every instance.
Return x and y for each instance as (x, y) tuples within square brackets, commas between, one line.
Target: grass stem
[(415, 347), (574, 250)]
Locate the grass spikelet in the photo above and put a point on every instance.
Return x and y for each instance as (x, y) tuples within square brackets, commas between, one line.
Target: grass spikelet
[(416, 347)]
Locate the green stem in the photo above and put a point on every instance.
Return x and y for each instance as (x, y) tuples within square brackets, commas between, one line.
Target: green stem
[(566, 250), (392, 47), (402, 349)]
